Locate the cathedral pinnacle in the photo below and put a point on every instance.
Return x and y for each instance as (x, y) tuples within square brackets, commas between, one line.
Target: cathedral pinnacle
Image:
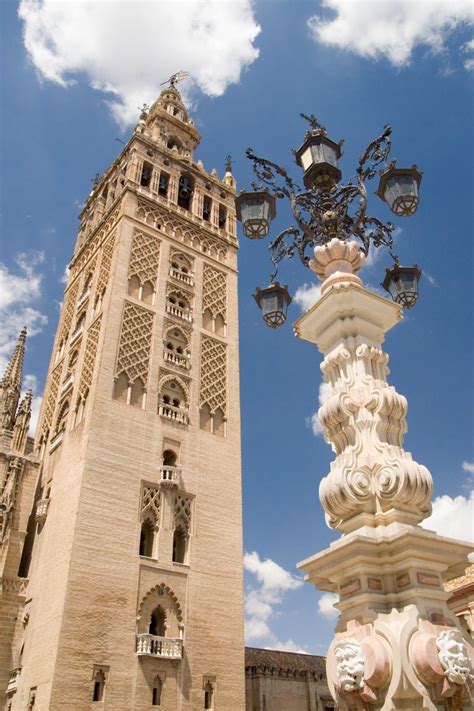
[(12, 375)]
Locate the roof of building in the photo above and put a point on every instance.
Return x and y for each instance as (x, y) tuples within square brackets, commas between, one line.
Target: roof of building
[(284, 661), (463, 581)]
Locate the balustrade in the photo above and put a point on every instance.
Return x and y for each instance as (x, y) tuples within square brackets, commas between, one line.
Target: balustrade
[(171, 412), (175, 358), (152, 646), (170, 475), (184, 277), (178, 311), (41, 511), (13, 681), (67, 383)]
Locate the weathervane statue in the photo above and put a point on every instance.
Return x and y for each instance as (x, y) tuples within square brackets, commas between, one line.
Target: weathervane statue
[(397, 643)]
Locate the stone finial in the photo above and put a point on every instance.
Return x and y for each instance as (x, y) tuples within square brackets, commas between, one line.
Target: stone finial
[(11, 383)]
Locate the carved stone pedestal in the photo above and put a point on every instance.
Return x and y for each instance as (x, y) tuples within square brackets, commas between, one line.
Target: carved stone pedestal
[(397, 644)]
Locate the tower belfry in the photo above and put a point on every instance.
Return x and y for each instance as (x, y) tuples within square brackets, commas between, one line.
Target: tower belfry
[(131, 566)]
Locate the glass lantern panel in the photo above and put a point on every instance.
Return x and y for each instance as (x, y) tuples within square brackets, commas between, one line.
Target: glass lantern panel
[(317, 150), (307, 158), (330, 155), (254, 209)]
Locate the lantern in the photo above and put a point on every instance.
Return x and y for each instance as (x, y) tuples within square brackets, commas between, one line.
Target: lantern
[(402, 284), (318, 157), (255, 210), (398, 187), (273, 302)]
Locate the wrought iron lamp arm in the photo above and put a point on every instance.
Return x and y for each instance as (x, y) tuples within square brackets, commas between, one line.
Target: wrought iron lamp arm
[(375, 154), (267, 172)]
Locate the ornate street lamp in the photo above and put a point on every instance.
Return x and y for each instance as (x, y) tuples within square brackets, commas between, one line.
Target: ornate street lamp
[(402, 284), (398, 187), (325, 209), (273, 302), (255, 210)]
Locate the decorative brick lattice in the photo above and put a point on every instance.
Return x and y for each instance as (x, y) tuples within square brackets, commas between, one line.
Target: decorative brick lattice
[(51, 398), (105, 262), (135, 343), (89, 357), (180, 229), (213, 389), (214, 291), (151, 503), (86, 253), (68, 310), (182, 511), (144, 257)]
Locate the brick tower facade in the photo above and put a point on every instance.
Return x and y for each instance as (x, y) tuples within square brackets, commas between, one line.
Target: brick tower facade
[(133, 570)]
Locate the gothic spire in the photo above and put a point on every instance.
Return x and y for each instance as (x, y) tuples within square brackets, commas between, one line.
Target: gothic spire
[(12, 375), (10, 384)]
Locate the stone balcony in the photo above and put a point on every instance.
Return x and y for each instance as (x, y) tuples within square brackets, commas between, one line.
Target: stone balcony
[(164, 647), (83, 298), (183, 277), (77, 333), (176, 359), (171, 412), (13, 680), (41, 511), (67, 383), (170, 476), (179, 312), (56, 440)]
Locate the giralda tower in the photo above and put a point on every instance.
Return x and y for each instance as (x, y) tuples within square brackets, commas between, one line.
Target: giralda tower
[(130, 592)]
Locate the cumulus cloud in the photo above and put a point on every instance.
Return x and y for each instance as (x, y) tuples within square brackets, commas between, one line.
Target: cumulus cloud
[(273, 584), (18, 291), (453, 517), (314, 422), (468, 467), (30, 382), (307, 295), (126, 49), (392, 28), (326, 606)]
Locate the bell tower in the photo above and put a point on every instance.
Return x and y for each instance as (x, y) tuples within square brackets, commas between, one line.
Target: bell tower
[(133, 573)]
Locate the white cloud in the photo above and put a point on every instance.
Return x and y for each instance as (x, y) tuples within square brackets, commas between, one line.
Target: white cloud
[(326, 605), (30, 382), (468, 48), (468, 467), (17, 294), (307, 295), (392, 28), (274, 582), (288, 646), (314, 422), (126, 49), (453, 517)]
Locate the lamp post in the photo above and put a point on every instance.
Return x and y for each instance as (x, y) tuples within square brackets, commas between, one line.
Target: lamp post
[(397, 643)]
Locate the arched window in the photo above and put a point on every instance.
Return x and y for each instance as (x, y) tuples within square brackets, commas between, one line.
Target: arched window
[(205, 420), (137, 393), (185, 191), (169, 458), (222, 216), (134, 287), (145, 177), (157, 692), (157, 625), (121, 388), (219, 325), (178, 304), (99, 686), (62, 416), (172, 402), (208, 695), (207, 208), (219, 422), (179, 545), (175, 143), (147, 538), (207, 320), (163, 184)]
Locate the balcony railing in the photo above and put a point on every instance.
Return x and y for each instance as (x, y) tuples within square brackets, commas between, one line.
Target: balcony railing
[(171, 412), (184, 277), (67, 383), (167, 647), (174, 310), (76, 333), (13, 681), (175, 358), (41, 511), (170, 476), (56, 440), (83, 297)]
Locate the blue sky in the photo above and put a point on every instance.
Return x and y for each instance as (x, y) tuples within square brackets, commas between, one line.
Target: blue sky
[(255, 68)]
